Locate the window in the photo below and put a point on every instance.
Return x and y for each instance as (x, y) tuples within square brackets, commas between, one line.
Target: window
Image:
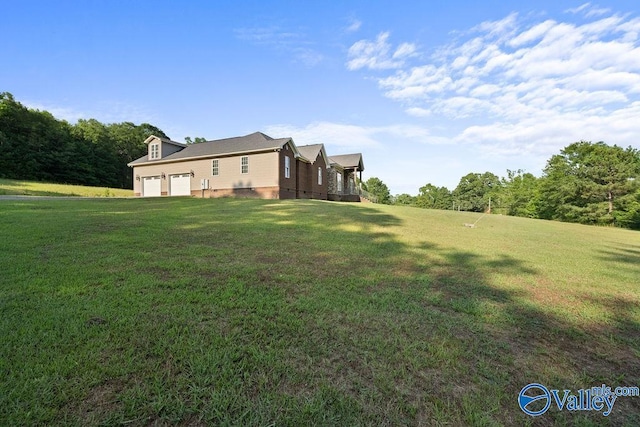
[(319, 176), (245, 164), (287, 167), (155, 151), (339, 179), (215, 167)]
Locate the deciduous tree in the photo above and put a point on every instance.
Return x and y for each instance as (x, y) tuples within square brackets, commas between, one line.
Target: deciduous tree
[(432, 197), (518, 194), (584, 182), (475, 190), (36, 146), (379, 189)]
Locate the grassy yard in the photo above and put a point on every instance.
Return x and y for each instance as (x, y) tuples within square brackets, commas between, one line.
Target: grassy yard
[(254, 312), (11, 187)]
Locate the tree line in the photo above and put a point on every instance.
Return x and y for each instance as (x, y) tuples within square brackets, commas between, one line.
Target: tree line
[(34, 145), (588, 183)]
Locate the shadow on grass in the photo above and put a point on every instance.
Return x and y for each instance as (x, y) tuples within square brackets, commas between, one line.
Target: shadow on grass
[(255, 312), (625, 254), (27, 192)]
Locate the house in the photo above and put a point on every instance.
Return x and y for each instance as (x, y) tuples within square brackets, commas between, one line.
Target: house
[(254, 165)]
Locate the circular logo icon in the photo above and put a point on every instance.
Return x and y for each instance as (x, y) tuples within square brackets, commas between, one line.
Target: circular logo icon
[(532, 397)]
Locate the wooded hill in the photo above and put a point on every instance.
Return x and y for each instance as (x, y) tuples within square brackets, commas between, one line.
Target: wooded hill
[(34, 145)]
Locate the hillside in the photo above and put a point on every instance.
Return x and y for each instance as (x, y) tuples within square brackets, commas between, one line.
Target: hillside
[(10, 187), (257, 312)]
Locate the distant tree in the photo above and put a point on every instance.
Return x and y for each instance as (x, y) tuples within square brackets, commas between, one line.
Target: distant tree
[(34, 144), (475, 190), (432, 197), (98, 155), (628, 210), (589, 182), (404, 199), (128, 141), (518, 194), (197, 140), (379, 189)]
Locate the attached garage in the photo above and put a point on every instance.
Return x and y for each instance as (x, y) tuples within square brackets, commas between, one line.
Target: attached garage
[(151, 186), (180, 185)]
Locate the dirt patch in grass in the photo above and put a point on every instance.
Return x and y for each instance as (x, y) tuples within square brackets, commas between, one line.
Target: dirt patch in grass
[(99, 402)]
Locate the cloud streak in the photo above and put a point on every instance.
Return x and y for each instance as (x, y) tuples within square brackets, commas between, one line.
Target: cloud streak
[(294, 43), (379, 54)]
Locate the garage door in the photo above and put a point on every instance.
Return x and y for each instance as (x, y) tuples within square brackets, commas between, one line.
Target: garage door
[(180, 185), (151, 186)]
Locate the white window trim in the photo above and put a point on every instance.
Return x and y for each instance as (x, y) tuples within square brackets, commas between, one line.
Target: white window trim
[(319, 176), (215, 167), (155, 151), (287, 167), (244, 165)]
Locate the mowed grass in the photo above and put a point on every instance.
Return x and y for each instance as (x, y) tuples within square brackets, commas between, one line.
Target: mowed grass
[(11, 187), (253, 312)]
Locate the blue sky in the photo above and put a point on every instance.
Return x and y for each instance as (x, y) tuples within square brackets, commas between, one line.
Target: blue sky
[(427, 91)]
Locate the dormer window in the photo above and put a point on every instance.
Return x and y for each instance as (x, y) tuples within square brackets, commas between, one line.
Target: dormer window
[(155, 151)]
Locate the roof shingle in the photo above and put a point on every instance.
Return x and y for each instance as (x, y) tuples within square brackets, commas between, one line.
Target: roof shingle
[(348, 160), (254, 142)]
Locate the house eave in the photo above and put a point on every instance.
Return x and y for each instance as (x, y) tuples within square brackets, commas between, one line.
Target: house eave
[(206, 156)]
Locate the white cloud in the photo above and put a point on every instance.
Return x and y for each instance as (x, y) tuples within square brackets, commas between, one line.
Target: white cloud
[(341, 137), (294, 43), (61, 113), (529, 86), (534, 33), (378, 54), (105, 112), (308, 57), (405, 50), (335, 134), (579, 8), (418, 112), (353, 26), (498, 28), (588, 10)]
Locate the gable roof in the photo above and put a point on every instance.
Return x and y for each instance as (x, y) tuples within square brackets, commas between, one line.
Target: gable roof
[(349, 161), (165, 140), (311, 153), (252, 143)]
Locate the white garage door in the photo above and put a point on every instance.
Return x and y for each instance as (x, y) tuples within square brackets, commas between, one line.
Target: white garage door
[(151, 186), (180, 185)]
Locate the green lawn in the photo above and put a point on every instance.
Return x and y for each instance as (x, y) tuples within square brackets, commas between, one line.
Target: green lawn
[(11, 187), (254, 312)]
